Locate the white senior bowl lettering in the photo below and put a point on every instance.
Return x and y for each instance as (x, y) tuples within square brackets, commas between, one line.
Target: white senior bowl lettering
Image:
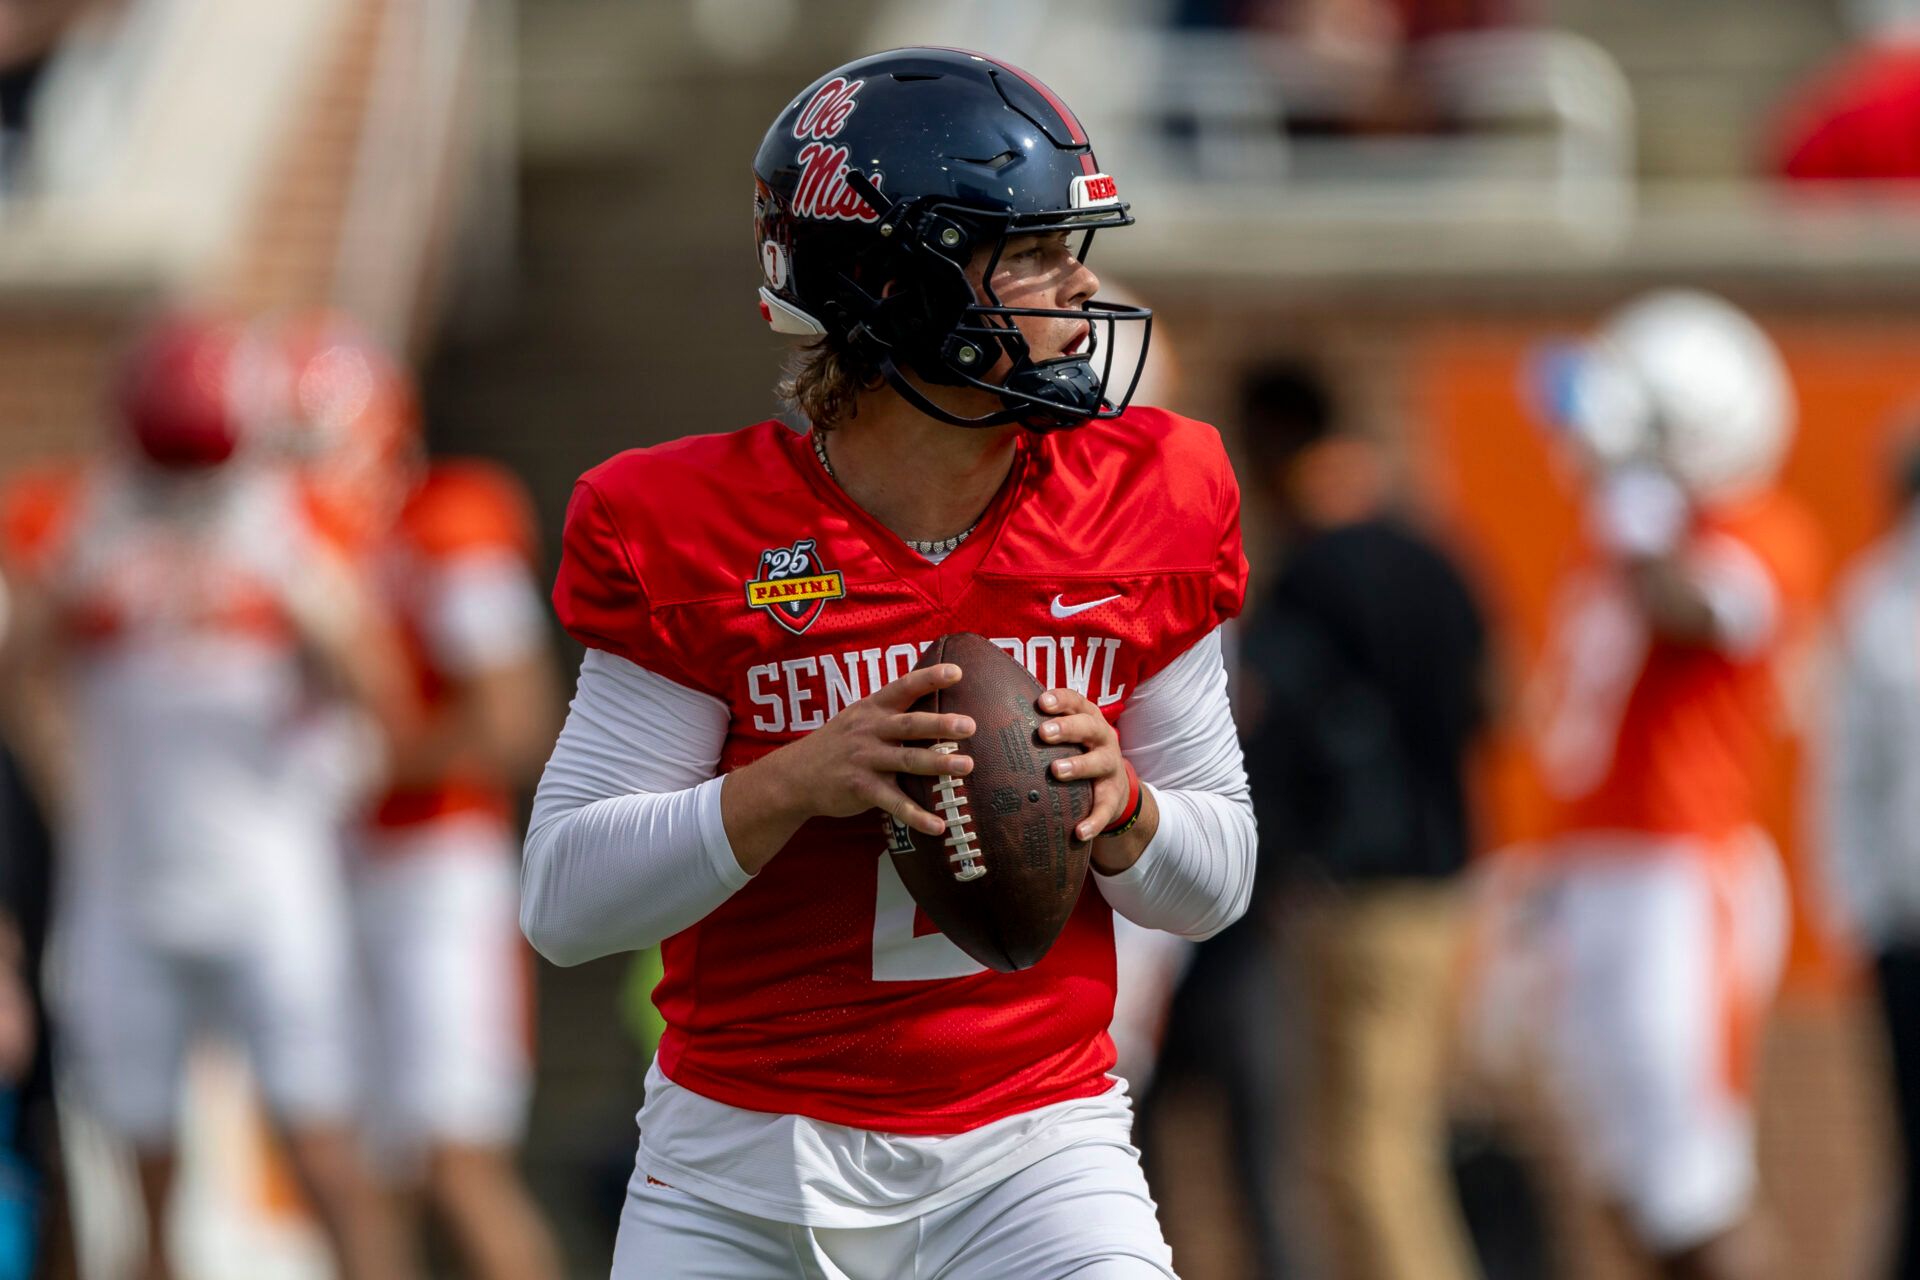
[(801, 694)]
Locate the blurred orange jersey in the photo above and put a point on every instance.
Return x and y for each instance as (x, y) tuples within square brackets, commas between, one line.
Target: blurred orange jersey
[(1645, 734), (459, 575)]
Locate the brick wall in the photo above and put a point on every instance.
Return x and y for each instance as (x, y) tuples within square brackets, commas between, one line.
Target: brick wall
[(53, 359)]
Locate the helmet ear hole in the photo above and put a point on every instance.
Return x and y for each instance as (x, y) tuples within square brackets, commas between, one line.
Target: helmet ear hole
[(925, 298)]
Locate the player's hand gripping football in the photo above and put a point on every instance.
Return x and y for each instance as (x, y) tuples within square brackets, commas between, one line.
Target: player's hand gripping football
[(846, 767), (1076, 719)]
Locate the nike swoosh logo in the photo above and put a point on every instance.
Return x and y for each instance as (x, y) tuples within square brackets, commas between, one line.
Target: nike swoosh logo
[(1061, 610)]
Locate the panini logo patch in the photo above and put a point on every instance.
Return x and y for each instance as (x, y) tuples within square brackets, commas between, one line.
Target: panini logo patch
[(793, 586)]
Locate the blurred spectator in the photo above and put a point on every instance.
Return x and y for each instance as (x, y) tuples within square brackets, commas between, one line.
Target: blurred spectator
[(1408, 19), (188, 620), (1365, 674), (1858, 118), (1352, 66), (1870, 799), (436, 890), (1661, 705)]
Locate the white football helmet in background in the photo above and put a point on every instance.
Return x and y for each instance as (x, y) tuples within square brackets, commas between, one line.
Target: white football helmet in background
[(1685, 381)]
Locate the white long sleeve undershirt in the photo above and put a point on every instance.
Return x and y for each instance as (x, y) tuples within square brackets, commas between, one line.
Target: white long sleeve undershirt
[(627, 846)]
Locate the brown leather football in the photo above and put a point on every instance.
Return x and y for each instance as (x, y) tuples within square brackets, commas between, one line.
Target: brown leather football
[(1004, 878)]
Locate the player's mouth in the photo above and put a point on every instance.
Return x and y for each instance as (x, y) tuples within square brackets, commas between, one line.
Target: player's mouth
[(1079, 341)]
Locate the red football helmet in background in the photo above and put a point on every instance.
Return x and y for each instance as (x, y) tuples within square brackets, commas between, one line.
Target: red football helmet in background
[(348, 418), (183, 392)]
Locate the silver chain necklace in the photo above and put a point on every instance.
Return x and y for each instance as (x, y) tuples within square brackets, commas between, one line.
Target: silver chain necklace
[(937, 547)]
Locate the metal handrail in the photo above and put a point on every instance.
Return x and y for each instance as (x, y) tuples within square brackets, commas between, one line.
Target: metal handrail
[(1203, 115), (407, 158)]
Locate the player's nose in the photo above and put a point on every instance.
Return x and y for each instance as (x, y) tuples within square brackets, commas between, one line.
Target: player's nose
[(1080, 285)]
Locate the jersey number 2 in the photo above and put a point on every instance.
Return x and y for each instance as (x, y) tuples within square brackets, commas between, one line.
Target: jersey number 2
[(898, 956)]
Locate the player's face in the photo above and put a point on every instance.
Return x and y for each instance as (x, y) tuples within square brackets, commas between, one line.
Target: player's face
[(1041, 270)]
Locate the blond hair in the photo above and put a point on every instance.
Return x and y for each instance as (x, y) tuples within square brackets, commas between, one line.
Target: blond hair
[(824, 381)]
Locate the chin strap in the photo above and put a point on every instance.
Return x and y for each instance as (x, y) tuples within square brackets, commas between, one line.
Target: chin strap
[(1071, 375), (1069, 386)]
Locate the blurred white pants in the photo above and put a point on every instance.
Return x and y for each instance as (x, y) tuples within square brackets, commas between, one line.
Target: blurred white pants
[(129, 1007), (1668, 955), (448, 1007)]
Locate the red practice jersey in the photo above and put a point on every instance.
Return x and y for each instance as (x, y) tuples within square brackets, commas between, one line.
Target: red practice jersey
[(734, 566), (462, 512)]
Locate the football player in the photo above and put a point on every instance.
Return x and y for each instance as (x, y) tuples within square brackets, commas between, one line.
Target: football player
[(435, 873), (840, 1090), (1661, 705), (193, 621)]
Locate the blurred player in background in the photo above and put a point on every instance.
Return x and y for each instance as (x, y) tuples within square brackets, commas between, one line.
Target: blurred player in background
[(839, 1091), (189, 621), (1661, 704), (1870, 803), (451, 545), (1367, 679)]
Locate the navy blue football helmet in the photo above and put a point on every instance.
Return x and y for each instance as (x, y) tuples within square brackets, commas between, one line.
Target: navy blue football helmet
[(875, 188)]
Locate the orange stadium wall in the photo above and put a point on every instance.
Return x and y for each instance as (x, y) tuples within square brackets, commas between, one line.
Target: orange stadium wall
[(1485, 467)]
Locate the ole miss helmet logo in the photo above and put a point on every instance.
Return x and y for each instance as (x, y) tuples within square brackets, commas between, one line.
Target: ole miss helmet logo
[(827, 111), (793, 586), (822, 191)]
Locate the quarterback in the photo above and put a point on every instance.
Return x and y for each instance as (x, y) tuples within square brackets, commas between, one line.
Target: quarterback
[(840, 1091)]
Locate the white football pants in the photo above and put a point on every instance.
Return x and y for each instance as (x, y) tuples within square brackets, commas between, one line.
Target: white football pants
[(1084, 1212)]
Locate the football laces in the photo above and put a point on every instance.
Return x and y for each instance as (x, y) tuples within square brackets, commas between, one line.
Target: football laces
[(950, 801)]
